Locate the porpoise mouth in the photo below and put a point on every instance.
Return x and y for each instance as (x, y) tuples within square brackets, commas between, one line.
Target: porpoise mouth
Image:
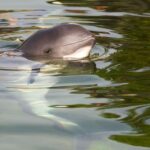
[(78, 49), (78, 41), (83, 51)]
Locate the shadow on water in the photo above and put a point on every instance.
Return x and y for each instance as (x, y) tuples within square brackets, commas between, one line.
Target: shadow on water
[(96, 104)]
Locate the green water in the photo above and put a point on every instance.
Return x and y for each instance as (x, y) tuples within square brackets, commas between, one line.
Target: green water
[(102, 104)]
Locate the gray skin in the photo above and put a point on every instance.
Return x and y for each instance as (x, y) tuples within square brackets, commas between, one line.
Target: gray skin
[(59, 41)]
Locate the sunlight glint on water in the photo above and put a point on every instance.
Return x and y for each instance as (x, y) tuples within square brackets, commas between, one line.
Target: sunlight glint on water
[(102, 104)]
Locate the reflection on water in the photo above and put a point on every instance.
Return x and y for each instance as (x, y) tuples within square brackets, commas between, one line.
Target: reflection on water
[(96, 104)]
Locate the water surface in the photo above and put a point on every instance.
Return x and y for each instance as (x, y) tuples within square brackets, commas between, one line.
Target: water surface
[(97, 104)]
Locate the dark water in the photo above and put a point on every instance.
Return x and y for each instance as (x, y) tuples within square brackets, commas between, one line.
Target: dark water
[(102, 104)]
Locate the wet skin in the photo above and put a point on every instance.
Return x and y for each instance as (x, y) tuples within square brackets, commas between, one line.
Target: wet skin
[(62, 41)]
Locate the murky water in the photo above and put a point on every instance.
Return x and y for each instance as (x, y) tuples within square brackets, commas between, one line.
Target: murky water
[(102, 104)]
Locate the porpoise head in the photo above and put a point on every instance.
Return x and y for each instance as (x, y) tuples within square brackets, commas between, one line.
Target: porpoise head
[(67, 41)]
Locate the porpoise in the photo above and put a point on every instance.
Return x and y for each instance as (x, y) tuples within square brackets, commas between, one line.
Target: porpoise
[(66, 41)]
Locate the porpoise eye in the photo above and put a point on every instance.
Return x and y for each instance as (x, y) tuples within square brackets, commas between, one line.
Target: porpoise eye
[(48, 51)]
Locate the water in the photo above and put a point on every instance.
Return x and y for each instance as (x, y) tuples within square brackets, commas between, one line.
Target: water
[(101, 104)]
